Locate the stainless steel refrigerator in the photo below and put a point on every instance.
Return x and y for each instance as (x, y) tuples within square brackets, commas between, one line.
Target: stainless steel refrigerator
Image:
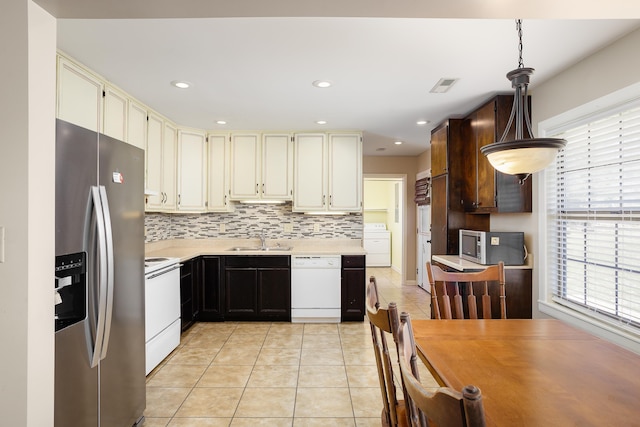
[(99, 280)]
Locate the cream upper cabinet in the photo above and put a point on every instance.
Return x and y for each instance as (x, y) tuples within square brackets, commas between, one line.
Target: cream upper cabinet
[(218, 172), (261, 166), (192, 171), (136, 124), (328, 172), (160, 154), (277, 166), (169, 165), (115, 114), (310, 172), (345, 172), (245, 166), (79, 96)]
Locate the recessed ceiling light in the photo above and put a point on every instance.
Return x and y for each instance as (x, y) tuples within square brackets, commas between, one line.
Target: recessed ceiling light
[(180, 84), (322, 83), (321, 122), (380, 149), (398, 142), (422, 122), (221, 122)]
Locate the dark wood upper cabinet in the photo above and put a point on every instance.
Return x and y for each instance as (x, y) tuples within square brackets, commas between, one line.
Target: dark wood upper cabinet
[(486, 190)]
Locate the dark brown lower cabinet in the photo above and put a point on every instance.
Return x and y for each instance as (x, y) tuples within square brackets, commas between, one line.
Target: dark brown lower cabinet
[(189, 293), (353, 288), (211, 308), (257, 288)]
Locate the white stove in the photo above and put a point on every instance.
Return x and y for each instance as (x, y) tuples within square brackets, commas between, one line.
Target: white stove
[(153, 264)]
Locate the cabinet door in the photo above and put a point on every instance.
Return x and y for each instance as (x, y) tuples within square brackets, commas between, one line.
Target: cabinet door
[(245, 166), (218, 170), (439, 210), (154, 165), (192, 171), (274, 293), (240, 293), (277, 167), (210, 289), (439, 159), (79, 96), (115, 114), (136, 124), (309, 181), (345, 172), (187, 301), (484, 125), (169, 165), (353, 288)]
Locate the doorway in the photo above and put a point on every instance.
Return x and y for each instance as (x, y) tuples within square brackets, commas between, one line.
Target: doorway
[(384, 203)]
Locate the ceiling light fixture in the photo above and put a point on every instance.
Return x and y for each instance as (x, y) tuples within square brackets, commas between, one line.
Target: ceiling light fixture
[(321, 83), (521, 156), (181, 84), (398, 142), (422, 122), (321, 122), (221, 122)]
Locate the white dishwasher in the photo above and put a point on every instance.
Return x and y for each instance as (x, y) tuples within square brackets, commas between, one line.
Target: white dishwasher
[(315, 288)]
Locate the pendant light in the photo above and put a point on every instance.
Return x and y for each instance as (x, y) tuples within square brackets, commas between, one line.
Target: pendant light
[(521, 156)]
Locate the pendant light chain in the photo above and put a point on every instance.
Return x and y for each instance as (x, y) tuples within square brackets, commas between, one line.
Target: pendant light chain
[(519, 29)]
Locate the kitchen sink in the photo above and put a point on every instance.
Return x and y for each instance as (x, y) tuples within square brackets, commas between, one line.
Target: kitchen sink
[(260, 249)]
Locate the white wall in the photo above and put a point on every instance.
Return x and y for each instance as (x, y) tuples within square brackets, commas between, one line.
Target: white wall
[(27, 108), (608, 70)]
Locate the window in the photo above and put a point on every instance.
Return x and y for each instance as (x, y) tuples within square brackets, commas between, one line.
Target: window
[(593, 218)]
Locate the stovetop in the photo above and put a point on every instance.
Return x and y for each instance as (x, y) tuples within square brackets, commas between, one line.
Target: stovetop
[(152, 264)]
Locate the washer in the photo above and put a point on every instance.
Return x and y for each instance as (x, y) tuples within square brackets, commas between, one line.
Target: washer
[(377, 243)]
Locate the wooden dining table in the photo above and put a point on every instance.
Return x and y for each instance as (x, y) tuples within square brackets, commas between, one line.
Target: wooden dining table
[(539, 372)]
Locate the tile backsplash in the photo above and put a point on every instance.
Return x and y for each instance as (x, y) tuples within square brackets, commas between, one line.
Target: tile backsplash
[(249, 220)]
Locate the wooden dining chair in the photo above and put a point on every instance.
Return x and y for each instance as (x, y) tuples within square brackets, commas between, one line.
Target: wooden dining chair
[(386, 321), (489, 283), (444, 407)]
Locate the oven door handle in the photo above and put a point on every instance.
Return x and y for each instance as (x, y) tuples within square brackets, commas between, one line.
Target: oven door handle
[(163, 271)]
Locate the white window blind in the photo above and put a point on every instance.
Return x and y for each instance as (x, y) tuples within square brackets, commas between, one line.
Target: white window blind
[(593, 219)]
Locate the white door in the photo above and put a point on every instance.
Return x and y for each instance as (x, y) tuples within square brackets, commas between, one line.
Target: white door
[(424, 245)]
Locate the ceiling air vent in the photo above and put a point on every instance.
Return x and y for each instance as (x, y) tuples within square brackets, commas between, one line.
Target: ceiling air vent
[(443, 85)]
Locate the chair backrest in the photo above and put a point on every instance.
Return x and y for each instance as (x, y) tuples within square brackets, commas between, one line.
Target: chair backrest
[(445, 407), (489, 283), (385, 321)]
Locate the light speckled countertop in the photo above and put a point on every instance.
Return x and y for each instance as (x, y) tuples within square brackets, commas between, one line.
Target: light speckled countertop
[(454, 261), (190, 248)]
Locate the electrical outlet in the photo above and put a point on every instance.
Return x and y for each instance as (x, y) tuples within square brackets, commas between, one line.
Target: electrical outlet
[(316, 228), (495, 241), (223, 228), (288, 228)]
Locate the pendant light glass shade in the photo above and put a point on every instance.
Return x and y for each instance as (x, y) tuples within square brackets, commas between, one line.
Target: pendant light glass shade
[(521, 156)]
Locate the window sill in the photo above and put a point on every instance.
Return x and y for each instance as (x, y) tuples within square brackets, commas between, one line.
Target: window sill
[(591, 325)]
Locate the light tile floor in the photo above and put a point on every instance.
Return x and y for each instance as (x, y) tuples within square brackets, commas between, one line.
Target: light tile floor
[(277, 374)]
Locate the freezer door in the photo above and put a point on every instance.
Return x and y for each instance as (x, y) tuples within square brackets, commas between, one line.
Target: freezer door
[(122, 370), (76, 383)]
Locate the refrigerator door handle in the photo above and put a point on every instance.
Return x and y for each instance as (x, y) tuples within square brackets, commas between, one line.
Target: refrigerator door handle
[(98, 283), (110, 271)]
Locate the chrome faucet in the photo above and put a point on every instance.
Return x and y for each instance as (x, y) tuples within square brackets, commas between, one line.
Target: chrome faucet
[(263, 239)]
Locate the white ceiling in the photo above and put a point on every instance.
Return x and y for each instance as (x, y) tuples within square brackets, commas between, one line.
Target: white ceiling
[(256, 73)]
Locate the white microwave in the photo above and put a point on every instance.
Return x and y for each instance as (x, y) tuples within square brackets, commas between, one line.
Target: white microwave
[(490, 247)]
